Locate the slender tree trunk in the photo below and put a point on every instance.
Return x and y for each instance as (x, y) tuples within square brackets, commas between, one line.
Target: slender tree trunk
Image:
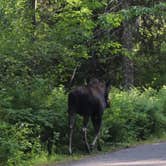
[(31, 10), (128, 67), (33, 5)]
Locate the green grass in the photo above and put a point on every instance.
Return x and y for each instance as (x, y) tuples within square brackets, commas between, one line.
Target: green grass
[(44, 160)]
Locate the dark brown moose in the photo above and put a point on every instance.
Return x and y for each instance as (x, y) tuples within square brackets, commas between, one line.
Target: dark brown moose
[(89, 101)]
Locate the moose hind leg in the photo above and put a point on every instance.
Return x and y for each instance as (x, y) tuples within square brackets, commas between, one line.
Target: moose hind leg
[(71, 128), (96, 120), (84, 129)]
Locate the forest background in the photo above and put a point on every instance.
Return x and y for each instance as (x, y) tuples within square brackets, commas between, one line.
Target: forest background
[(44, 44)]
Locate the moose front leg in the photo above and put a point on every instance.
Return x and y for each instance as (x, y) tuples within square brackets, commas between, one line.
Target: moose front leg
[(84, 129), (96, 120), (71, 128)]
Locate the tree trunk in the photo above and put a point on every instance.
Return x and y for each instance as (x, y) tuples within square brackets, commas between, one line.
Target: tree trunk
[(128, 67), (31, 10), (33, 4)]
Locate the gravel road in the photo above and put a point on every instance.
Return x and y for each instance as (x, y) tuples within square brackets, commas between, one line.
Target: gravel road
[(143, 155)]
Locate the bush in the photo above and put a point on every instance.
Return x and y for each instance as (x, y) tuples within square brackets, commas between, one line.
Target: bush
[(37, 122), (134, 115), (17, 145)]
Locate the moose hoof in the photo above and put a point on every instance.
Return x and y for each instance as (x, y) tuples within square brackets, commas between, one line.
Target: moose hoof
[(70, 152), (99, 148), (88, 150), (91, 147)]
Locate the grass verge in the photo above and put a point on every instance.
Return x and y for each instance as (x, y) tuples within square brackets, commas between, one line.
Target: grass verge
[(44, 160)]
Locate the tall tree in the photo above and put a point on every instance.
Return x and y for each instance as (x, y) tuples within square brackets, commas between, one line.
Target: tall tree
[(127, 42)]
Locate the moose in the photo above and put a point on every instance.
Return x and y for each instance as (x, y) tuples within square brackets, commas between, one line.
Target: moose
[(89, 101)]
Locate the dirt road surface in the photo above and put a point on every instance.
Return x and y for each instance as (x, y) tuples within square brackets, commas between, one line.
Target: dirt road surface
[(143, 155)]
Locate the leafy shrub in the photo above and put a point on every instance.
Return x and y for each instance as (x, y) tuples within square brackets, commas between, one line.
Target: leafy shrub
[(17, 144), (37, 122), (134, 115)]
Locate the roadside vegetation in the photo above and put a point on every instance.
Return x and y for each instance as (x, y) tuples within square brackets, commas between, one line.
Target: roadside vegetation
[(27, 133), (49, 46)]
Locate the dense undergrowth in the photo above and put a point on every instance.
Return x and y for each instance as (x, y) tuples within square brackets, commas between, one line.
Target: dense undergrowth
[(33, 122)]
